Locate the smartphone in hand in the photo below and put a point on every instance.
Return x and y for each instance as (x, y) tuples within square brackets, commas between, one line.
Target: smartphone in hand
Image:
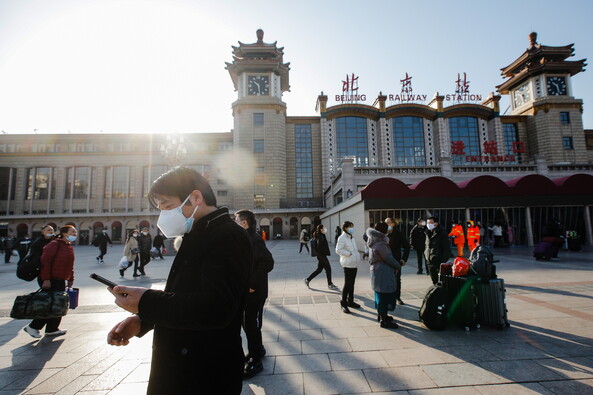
[(103, 280)]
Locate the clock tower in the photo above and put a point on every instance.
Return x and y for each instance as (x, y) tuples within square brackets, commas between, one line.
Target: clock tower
[(260, 77), (539, 85)]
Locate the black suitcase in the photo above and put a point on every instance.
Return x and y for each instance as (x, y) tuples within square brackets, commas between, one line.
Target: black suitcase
[(433, 312), (574, 245), (545, 251), (463, 309), (492, 308)]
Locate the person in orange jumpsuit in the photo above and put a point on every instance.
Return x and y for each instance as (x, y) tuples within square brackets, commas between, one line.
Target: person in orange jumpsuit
[(459, 238), (473, 235)]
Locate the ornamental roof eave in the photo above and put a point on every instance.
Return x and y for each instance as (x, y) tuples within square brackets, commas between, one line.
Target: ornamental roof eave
[(571, 67), (351, 109), (411, 109), (543, 50)]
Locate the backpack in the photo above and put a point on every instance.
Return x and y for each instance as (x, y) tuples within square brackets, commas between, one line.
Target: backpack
[(95, 242), (482, 262), (28, 268), (433, 312)]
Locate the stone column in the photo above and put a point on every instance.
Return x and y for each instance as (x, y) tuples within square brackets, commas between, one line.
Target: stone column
[(588, 230), (529, 227)]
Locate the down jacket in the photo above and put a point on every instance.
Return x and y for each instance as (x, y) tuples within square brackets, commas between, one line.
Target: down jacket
[(383, 265), (347, 250)]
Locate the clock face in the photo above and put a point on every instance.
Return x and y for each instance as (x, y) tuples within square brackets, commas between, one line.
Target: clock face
[(522, 95), (556, 86), (258, 85)]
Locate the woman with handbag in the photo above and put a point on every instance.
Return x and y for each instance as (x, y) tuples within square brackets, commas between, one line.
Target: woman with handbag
[(57, 267), (131, 251), (322, 252)]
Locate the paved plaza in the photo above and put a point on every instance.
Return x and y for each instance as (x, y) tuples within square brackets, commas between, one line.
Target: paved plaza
[(313, 348)]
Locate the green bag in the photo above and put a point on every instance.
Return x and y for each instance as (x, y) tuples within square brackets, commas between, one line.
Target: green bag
[(41, 304)]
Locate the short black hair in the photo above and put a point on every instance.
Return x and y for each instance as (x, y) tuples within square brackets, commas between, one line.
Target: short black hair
[(180, 182), (246, 215), (434, 219), (381, 227)]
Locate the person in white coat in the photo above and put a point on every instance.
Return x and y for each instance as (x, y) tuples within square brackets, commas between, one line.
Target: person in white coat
[(349, 259)]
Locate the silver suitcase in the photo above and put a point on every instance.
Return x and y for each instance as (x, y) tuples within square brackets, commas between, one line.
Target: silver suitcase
[(492, 309)]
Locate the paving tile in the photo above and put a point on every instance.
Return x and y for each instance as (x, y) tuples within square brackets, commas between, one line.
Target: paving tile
[(61, 379), (283, 348), (520, 371), (513, 389), (459, 374), (413, 357), (285, 384), (374, 343), (465, 354), (339, 382), (394, 379), (569, 368), (343, 333), (302, 363), (307, 334), (112, 376), (76, 385), (580, 387), (326, 346), (470, 390), (358, 360), (8, 377), (138, 375), (128, 388), (31, 379), (515, 351)]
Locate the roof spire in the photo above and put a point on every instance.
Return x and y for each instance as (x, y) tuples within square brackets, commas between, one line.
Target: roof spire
[(260, 36), (532, 39)]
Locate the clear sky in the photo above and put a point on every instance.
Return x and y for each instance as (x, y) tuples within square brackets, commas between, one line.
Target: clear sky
[(158, 65)]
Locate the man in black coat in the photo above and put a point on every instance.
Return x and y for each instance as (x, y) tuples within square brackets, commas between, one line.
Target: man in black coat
[(22, 245), (144, 244), (197, 346), (397, 242), (438, 247), (101, 241), (418, 242), (263, 263), (159, 242)]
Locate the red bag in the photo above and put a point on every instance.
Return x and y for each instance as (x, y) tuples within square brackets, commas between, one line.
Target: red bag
[(460, 267), (164, 251)]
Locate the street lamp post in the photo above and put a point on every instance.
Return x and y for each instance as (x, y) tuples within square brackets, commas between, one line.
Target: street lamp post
[(174, 150)]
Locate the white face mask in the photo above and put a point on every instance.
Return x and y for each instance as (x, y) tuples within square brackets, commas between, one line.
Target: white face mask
[(71, 239), (134, 234), (173, 223), (323, 230), (431, 226), (423, 223), (144, 233)]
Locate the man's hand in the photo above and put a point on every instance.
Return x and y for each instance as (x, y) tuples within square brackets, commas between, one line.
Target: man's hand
[(127, 298), (121, 333), (70, 284), (46, 284), (402, 262), (251, 290)]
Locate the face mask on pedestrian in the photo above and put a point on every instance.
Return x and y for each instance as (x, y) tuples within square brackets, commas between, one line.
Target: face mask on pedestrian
[(469, 225), (350, 230), (144, 233), (389, 228), (431, 226), (71, 239), (173, 223), (323, 230), (423, 223), (134, 234), (49, 235)]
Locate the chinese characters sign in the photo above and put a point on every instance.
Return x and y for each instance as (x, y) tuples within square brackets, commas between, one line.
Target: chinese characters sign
[(350, 90), (490, 152), (406, 94), (462, 93)]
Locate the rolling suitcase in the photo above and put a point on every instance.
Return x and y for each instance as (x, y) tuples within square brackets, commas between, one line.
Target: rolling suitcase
[(544, 251), (433, 312), (463, 309), (492, 309)]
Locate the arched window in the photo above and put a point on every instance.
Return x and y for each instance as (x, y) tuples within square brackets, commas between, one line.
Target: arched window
[(408, 141), (351, 140), (294, 227), (465, 139), (116, 229)]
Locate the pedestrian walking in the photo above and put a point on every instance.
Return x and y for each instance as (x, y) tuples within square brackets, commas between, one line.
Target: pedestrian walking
[(497, 233), (159, 243), (438, 247), (144, 244), (383, 268), (197, 318), (263, 263), (397, 243), (321, 251), (131, 253), (9, 246), (418, 243), (349, 259), (57, 272), (101, 241), (304, 240)]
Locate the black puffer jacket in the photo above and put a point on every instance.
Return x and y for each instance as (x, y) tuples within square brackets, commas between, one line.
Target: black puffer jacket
[(438, 247)]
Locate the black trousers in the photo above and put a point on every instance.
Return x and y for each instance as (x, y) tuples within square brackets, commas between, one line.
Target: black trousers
[(144, 259), (322, 264), (7, 256), (349, 279), (252, 322), (136, 264), (306, 246), (51, 324), (434, 272), (398, 283), (420, 257)]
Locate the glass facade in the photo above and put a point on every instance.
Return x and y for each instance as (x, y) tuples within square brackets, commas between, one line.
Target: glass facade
[(116, 182), (465, 139), (511, 135), (78, 180), (408, 141), (352, 140), (39, 184), (258, 146), (7, 190), (304, 161), (567, 143), (258, 119)]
